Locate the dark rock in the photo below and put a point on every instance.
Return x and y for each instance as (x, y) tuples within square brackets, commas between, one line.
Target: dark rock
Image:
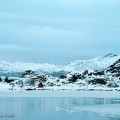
[(63, 77), (98, 73), (98, 81), (85, 72), (27, 72), (112, 85), (114, 69), (73, 78)]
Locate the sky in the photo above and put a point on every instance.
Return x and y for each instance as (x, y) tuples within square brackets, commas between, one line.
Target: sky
[(58, 31)]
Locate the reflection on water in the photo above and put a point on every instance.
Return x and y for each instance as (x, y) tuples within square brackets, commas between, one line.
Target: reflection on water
[(53, 108)]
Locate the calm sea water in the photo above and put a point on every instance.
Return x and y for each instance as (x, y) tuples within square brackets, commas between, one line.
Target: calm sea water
[(52, 108)]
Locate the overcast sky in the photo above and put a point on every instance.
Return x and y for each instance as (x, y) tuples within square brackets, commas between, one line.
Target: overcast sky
[(58, 31)]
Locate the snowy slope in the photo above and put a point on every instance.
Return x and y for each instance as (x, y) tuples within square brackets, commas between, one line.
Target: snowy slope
[(22, 66), (98, 63)]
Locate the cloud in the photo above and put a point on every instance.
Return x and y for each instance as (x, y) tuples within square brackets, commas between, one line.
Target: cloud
[(61, 28), (13, 47)]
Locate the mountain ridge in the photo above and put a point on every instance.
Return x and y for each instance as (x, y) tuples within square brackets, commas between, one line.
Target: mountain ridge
[(97, 63), (94, 74)]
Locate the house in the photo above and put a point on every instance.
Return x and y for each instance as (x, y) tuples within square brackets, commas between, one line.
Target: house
[(40, 85)]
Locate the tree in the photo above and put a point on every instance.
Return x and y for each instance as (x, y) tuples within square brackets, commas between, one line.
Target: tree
[(42, 78), (32, 82), (73, 78), (20, 83), (0, 79), (63, 77), (6, 79)]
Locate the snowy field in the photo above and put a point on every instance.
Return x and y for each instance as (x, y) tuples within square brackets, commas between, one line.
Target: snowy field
[(47, 93)]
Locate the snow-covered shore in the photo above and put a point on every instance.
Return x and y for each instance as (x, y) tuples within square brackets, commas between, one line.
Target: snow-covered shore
[(47, 93)]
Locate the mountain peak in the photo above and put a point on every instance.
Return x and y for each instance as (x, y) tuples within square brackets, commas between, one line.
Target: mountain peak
[(110, 55)]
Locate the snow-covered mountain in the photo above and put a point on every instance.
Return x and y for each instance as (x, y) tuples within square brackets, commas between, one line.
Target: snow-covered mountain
[(114, 69), (22, 66), (97, 73), (96, 64)]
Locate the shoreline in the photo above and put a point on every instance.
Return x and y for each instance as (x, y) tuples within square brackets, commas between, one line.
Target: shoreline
[(53, 94)]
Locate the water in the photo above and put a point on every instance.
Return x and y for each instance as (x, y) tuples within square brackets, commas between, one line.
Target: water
[(64, 108)]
